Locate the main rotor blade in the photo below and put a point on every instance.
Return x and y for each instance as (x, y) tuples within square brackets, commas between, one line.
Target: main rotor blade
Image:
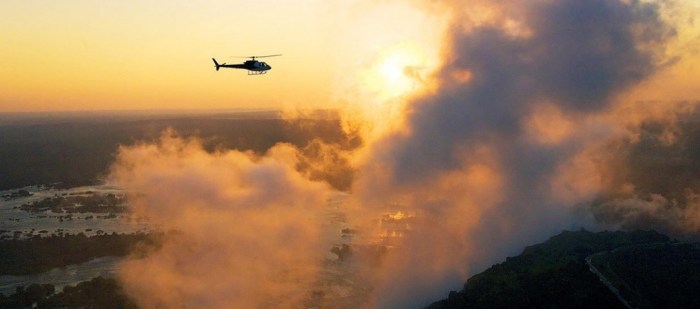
[(256, 56), (268, 56)]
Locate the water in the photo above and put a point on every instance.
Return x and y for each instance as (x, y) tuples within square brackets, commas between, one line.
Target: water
[(63, 276), (14, 221), (341, 284), (18, 223)]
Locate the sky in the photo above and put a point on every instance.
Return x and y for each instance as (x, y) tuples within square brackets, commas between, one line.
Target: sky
[(486, 126), (103, 55)]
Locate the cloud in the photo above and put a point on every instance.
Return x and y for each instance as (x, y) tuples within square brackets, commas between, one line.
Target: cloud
[(657, 176), (510, 143), (651, 211), (527, 128), (248, 227)]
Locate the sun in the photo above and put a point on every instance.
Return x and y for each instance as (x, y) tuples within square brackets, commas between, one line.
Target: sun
[(387, 81), (397, 72), (393, 74)]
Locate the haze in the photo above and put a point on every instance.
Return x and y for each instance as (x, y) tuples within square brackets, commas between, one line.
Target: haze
[(470, 129)]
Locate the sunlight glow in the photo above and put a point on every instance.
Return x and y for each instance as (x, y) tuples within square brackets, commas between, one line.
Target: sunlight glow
[(394, 74), (397, 72)]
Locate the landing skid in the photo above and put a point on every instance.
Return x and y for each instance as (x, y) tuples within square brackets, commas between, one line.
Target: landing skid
[(256, 72)]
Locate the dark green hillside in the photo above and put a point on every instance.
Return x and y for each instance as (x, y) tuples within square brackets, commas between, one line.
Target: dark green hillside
[(553, 274), (662, 275)]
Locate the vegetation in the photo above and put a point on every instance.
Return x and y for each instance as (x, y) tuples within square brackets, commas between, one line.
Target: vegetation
[(649, 269), (553, 274), (40, 254), (96, 293), (16, 194), (91, 202), (663, 275)]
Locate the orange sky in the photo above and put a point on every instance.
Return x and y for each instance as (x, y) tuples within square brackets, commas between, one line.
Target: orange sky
[(117, 55), (124, 55)]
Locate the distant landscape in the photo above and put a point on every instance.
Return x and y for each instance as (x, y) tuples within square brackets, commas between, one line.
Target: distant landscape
[(573, 269), (47, 159), (69, 150)]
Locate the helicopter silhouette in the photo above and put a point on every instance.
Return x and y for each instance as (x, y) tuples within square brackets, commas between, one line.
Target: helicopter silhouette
[(253, 66)]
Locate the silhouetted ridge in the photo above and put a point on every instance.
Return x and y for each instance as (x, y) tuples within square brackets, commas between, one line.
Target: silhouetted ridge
[(554, 274)]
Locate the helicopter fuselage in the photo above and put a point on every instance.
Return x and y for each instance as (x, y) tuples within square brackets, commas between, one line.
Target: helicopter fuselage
[(258, 67)]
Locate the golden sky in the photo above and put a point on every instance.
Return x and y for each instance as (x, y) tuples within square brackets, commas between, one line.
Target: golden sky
[(121, 55), (124, 55)]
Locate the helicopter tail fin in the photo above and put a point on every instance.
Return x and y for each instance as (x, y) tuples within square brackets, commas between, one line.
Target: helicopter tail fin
[(216, 64)]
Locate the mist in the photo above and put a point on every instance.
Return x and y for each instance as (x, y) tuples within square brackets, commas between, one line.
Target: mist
[(525, 131), (511, 143), (246, 229)]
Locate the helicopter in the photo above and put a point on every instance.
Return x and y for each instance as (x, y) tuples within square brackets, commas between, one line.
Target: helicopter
[(253, 66)]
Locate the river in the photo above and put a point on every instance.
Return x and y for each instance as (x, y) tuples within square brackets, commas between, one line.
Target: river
[(63, 276), (17, 223)]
